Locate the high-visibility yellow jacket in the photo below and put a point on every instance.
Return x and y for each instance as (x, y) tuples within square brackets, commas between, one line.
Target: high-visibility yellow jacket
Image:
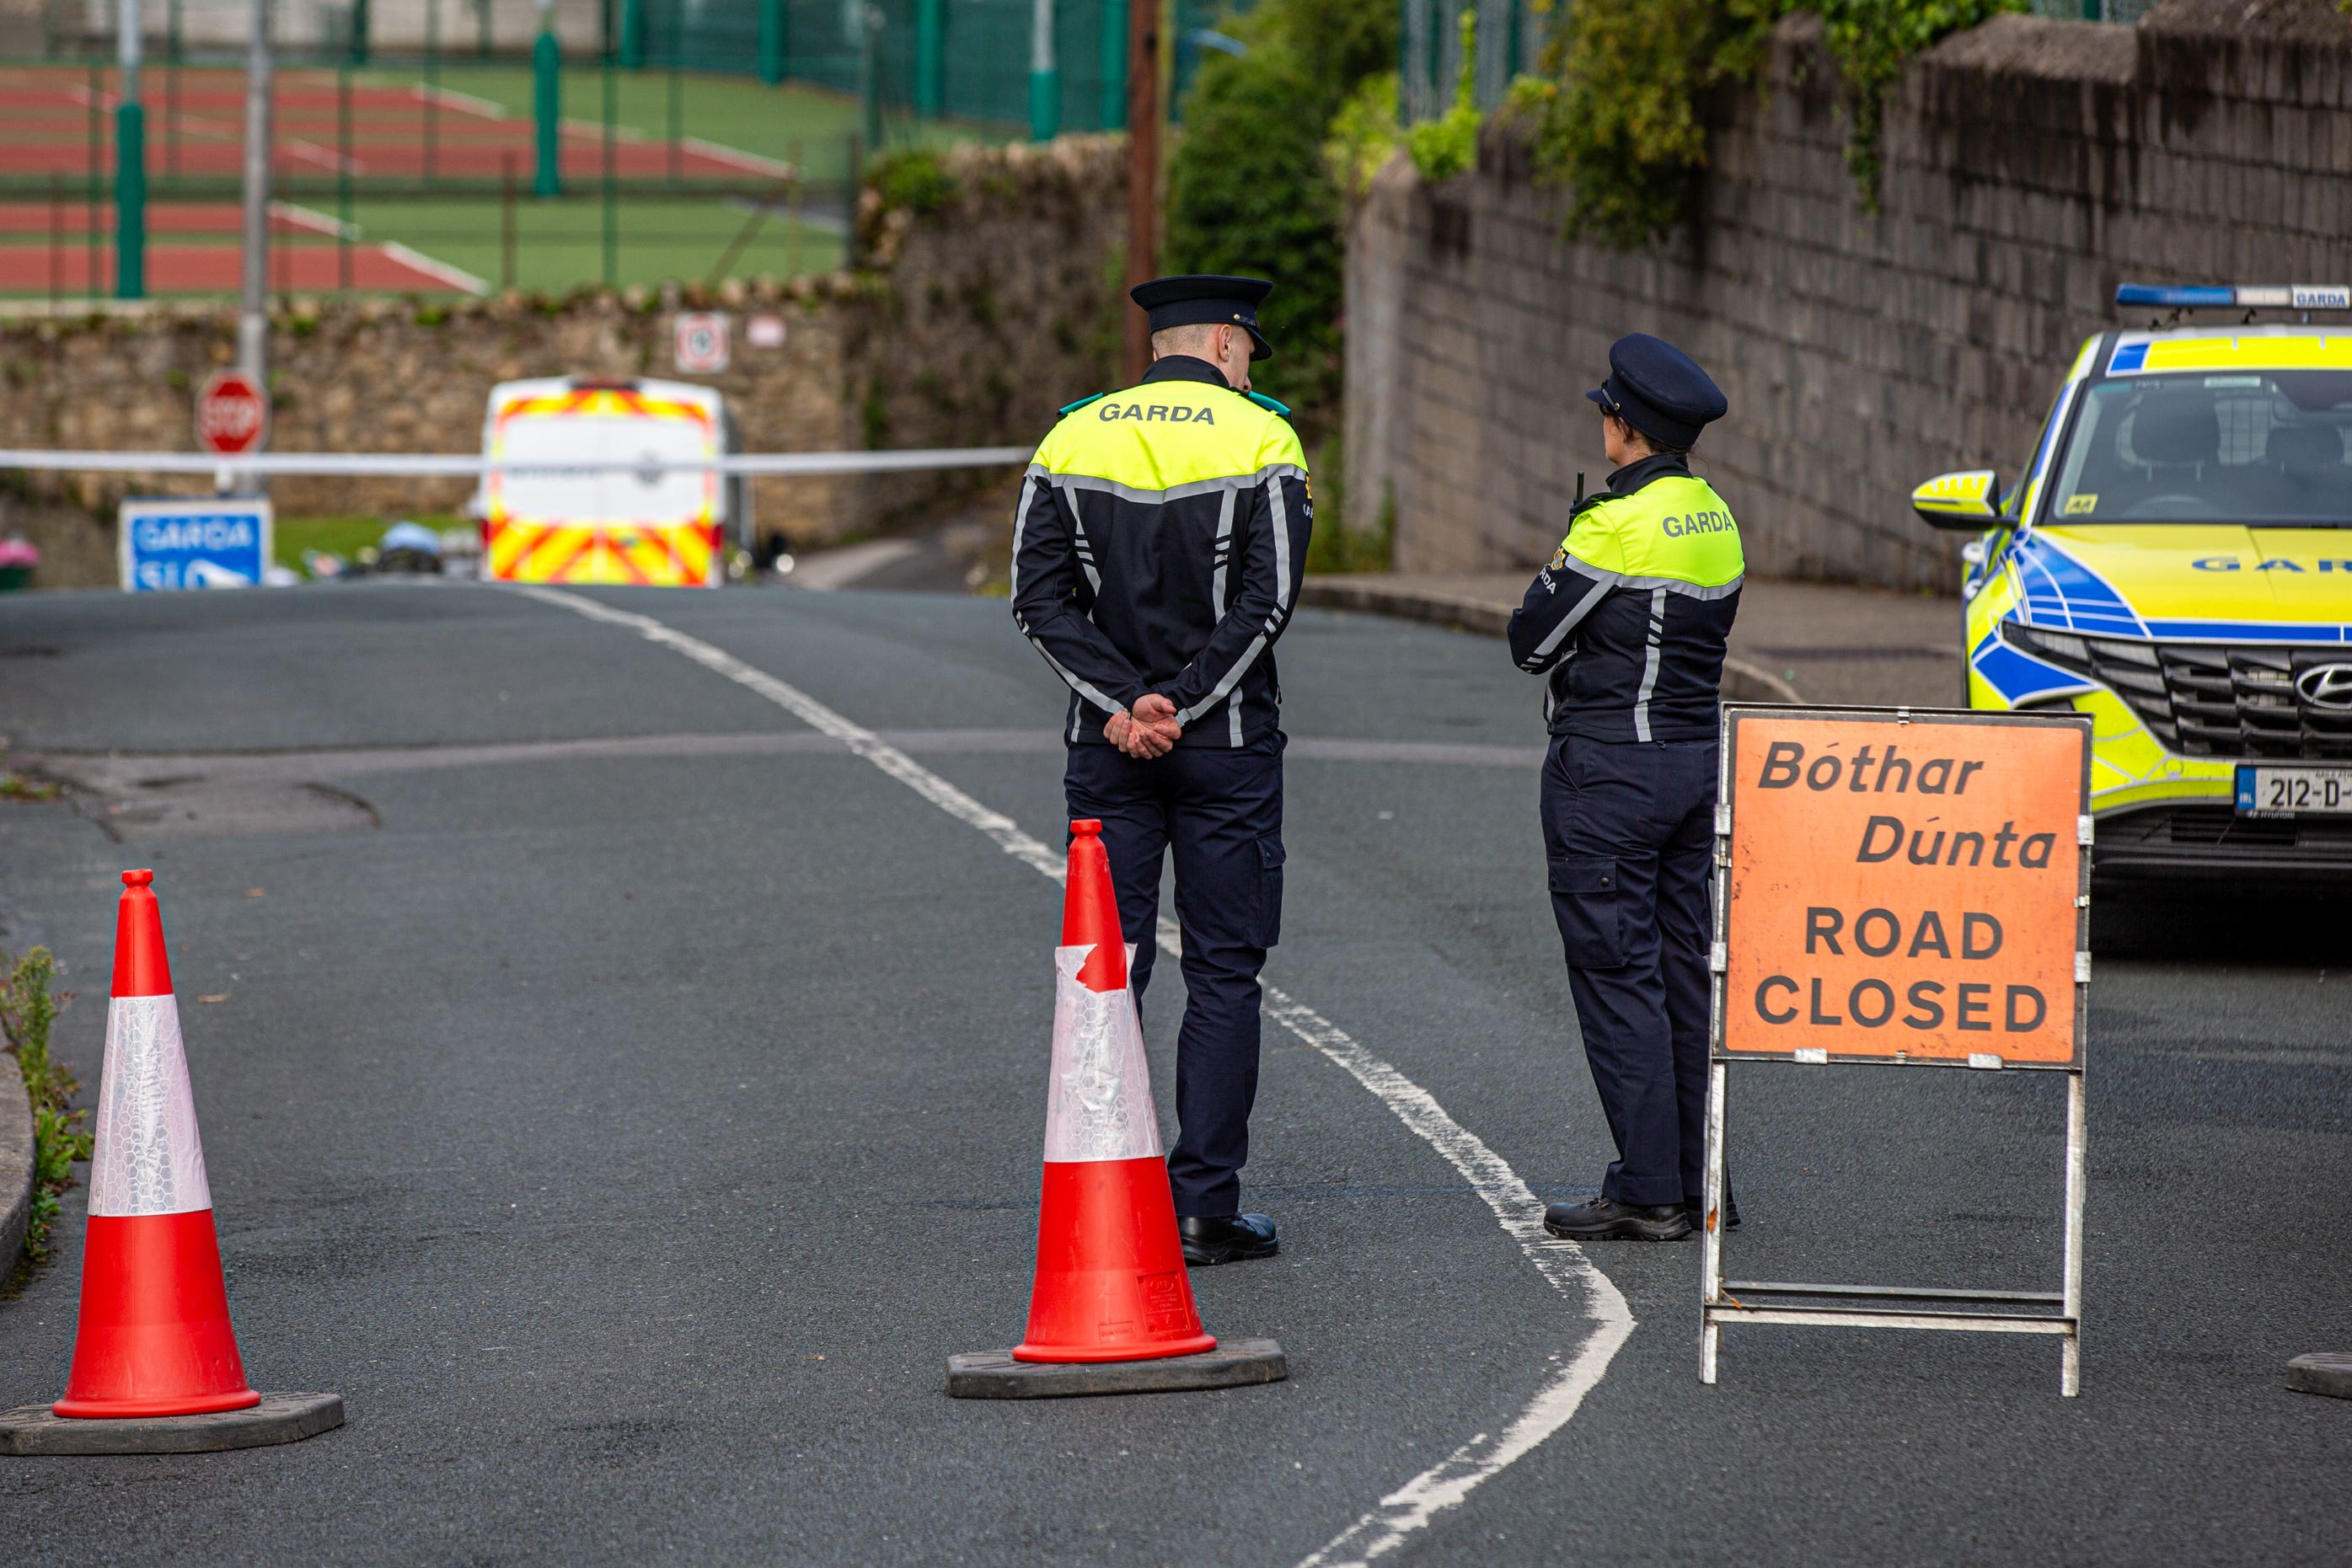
[(1632, 615), (1158, 546)]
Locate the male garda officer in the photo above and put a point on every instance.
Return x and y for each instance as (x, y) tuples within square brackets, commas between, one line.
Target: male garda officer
[(1630, 619), (1157, 552)]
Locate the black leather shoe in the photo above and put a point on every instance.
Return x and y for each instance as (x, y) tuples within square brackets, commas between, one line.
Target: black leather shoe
[(1233, 1239), (1606, 1219), (1697, 1208)]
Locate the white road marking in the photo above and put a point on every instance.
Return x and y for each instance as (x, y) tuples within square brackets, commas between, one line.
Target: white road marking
[(1562, 1264)]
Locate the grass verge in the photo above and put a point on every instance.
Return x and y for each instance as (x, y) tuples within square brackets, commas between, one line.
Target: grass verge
[(28, 1005)]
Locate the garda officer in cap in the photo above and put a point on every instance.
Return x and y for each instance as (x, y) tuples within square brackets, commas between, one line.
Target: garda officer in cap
[(1157, 552), (1628, 622)]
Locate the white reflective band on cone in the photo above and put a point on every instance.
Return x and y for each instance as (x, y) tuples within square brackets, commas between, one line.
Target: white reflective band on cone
[(1098, 1102), (147, 1159)]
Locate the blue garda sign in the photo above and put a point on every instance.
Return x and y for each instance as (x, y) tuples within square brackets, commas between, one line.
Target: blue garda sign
[(214, 541)]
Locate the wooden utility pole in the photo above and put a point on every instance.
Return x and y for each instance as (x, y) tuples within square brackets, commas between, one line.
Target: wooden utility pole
[(1142, 173)]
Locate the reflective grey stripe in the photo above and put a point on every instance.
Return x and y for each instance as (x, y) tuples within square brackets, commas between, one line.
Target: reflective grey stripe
[(1020, 516), (1249, 657), (1224, 541), (1174, 493), (1559, 634), (1086, 552), (1281, 536), (1650, 668), (1078, 685), (1234, 709), (1671, 584)]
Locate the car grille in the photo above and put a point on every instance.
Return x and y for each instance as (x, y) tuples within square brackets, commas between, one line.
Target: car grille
[(2220, 828), (2208, 699)]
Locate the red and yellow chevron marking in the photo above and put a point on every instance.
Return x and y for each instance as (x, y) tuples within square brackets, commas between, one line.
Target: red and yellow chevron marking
[(684, 555)]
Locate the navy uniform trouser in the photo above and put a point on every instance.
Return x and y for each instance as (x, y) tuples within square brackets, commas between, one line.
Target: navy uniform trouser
[(1629, 833), (1219, 810)]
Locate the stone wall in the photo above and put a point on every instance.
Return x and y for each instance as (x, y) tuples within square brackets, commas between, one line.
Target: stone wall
[(969, 320), (2030, 166)]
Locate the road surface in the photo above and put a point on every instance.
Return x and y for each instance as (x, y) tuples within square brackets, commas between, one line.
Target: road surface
[(627, 1095)]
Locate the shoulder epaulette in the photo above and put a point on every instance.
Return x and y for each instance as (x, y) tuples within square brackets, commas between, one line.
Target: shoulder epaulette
[(1269, 404), (1071, 408)]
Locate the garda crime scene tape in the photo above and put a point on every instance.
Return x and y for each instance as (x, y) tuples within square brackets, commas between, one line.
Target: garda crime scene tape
[(466, 465)]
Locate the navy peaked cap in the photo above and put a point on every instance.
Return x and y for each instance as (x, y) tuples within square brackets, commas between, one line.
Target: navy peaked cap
[(1658, 390), (1202, 300)]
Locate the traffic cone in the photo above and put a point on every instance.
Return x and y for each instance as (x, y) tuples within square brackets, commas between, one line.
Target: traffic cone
[(1111, 1310), (154, 1336), (1110, 1281)]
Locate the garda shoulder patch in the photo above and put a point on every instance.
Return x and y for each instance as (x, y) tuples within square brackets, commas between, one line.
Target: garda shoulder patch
[(1070, 408), (1559, 558)]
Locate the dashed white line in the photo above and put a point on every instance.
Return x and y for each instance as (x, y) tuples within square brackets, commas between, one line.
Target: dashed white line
[(1562, 1264)]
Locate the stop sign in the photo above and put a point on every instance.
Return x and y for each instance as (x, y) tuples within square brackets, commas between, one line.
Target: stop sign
[(232, 413)]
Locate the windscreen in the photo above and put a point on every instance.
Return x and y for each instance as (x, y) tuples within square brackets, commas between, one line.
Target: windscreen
[(613, 496), (2254, 448)]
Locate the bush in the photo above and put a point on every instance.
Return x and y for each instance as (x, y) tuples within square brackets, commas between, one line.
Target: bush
[(912, 178)]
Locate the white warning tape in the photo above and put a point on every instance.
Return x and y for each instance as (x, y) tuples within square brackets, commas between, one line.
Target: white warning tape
[(1563, 1265), (465, 465)]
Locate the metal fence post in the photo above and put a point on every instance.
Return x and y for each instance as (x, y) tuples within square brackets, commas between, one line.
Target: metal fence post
[(93, 166), (130, 167), (609, 185), (772, 23), (358, 52), (868, 17), (344, 223), (546, 102), (930, 57), (432, 87), (253, 263), (1114, 65), (1044, 75), (633, 35)]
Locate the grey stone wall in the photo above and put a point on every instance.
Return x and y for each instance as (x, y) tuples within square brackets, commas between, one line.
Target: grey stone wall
[(2031, 165)]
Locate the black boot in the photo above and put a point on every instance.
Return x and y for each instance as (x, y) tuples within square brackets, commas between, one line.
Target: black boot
[(1604, 1219), (1233, 1239)]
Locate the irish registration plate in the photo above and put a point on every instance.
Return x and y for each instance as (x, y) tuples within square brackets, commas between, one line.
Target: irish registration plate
[(2295, 791)]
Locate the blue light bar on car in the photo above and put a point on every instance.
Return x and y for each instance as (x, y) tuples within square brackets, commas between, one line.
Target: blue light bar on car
[(2258, 297)]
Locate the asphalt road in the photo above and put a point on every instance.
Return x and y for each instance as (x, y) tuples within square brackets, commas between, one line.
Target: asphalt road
[(627, 1099)]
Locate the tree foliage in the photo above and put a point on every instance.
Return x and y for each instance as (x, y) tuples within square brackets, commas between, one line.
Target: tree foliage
[(1251, 191)]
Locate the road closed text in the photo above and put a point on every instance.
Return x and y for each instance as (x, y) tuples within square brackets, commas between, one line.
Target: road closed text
[(1903, 887), (1890, 1000)]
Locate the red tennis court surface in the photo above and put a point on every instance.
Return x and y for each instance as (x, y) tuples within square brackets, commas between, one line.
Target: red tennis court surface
[(48, 115), (64, 271)]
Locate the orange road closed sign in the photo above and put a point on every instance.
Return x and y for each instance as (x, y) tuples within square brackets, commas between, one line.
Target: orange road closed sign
[(1906, 886)]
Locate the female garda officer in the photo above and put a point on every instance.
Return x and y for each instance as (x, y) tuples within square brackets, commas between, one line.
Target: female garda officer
[(1630, 620)]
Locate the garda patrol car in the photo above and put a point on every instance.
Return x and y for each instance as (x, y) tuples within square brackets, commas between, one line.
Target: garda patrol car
[(2177, 562)]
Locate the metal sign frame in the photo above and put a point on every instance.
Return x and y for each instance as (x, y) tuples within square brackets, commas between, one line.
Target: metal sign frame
[(1722, 1301)]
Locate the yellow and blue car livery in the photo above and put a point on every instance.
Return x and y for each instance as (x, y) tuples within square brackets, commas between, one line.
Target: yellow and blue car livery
[(2176, 562)]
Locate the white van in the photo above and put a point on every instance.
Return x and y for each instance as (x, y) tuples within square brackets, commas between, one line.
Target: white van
[(657, 527)]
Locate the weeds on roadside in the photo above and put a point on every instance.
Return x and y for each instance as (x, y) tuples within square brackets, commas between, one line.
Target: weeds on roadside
[(29, 1006)]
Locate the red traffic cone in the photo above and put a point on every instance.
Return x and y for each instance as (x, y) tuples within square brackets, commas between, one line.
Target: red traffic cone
[(1111, 1311), (1110, 1273), (154, 1336)]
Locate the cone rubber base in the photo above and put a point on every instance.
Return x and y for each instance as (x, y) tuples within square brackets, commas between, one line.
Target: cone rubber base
[(994, 1375), (2321, 1372), (278, 1419)]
